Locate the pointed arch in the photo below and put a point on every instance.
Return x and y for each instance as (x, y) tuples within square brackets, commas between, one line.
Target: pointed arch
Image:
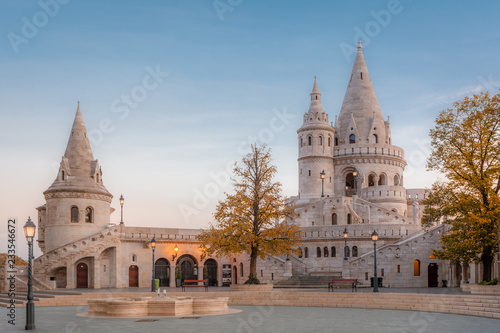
[(74, 214), (320, 140), (309, 140), (352, 138), (374, 138), (334, 219), (382, 180), (333, 252)]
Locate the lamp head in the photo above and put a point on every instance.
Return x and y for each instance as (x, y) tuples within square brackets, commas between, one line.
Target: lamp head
[(176, 249), (122, 199), (355, 173), (345, 233), (322, 174), (29, 229), (374, 236), (153, 243)]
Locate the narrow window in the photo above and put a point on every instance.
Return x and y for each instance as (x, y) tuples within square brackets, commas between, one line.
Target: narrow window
[(272, 274), (306, 252), (354, 251), (334, 252), (241, 269), (374, 138), (329, 141), (325, 252), (318, 252), (334, 219), (89, 212), (62, 174), (134, 258), (416, 268), (309, 172), (301, 142), (399, 268), (352, 138), (366, 275), (320, 140), (349, 218), (382, 272), (261, 273), (347, 252), (361, 75), (336, 141), (74, 214), (309, 141)]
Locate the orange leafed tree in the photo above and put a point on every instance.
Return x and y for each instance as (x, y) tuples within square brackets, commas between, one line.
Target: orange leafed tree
[(246, 221), (466, 149)]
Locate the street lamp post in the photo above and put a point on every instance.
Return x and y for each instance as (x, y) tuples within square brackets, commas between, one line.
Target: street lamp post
[(375, 279), (354, 175), (153, 282), (29, 232), (345, 243), (322, 175), (176, 249), (121, 204)]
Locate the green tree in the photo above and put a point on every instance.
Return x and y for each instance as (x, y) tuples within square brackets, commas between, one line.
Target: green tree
[(465, 147), (246, 220)]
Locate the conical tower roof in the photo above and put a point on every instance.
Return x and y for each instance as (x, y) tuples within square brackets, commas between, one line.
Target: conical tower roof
[(360, 113), (78, 151), (315, 116), (79, 172)]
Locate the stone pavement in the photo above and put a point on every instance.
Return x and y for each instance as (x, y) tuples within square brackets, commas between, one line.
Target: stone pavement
[(262, 319)]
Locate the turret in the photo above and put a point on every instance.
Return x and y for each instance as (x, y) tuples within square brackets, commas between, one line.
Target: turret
[(315, 150), (77, 203), (363, 144)]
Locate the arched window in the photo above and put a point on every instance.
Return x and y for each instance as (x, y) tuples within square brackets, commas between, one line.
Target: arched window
[(301, 142), (309, 140), (89, 215), (306, 252), (374, 138), (354, 251), (334, 252), (396, 180), (318, 252), (432, 256), (329, 141), (241, 269), (300, 252), (334, 219), (349, 218), (416, 268), (134, 258), (325, 252), (320, 140), (336, 141), (381, 180), (347, 252), (62, 175), (371, 180), (74, 214), (352, 138)]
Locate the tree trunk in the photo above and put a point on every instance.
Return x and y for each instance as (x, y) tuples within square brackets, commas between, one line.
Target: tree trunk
[(487, 259), (253, 265)]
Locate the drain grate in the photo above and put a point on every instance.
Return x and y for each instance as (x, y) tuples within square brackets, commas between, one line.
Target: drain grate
[(189, 317), (146, 320)]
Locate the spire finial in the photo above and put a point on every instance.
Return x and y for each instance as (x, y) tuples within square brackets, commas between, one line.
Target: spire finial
[(315, 87), (360, 46)]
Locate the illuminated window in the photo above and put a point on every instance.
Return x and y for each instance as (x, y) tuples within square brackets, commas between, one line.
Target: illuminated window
[(432, 256), (416, 268)]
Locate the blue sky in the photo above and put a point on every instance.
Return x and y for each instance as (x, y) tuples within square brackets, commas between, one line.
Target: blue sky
[(234, 68)]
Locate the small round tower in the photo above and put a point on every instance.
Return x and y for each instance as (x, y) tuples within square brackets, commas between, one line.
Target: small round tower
[(316, 137), (77, 203), (366, 162)]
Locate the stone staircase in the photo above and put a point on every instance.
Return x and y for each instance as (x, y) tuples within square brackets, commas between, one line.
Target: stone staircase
[(305, 281)]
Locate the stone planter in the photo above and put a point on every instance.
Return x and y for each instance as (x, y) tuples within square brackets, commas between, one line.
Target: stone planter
[(479, 289), (251, 287)]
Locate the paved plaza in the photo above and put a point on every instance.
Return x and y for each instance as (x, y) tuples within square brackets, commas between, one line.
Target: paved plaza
[(273, 319)]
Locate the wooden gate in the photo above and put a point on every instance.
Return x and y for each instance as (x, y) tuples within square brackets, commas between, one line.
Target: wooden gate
[(82, 276), (133, 276), (432, 272)]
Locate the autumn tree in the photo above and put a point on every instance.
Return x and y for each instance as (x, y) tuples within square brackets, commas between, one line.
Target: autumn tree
[(246, 221), (465, 147)]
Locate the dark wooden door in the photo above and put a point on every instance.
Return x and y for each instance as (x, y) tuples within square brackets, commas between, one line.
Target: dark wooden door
[(432, 275), (82, 276), (133, 276), (211, 272), (187, 269)]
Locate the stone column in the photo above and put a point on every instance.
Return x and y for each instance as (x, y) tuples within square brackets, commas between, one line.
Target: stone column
[(172, 275), (200, 271), (473, 273), (70, 275), (464, 281)]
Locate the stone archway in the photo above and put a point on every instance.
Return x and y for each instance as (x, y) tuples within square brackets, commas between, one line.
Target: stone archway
[(211, 265), (188, 266), (432, 275), (60, 276), (162, 271)]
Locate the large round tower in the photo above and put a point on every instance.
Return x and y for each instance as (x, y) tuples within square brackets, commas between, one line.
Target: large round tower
[(316, 137), (366, 162), (77, 203)]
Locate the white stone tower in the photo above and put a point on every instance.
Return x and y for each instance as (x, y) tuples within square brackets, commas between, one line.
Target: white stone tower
[(316, 137), (363, 144), (77, 203)]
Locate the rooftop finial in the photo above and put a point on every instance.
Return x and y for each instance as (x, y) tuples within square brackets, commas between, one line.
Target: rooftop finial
[(360, 46)]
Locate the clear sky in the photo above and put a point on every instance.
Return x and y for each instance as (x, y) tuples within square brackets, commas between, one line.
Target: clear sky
[(226, 73)]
